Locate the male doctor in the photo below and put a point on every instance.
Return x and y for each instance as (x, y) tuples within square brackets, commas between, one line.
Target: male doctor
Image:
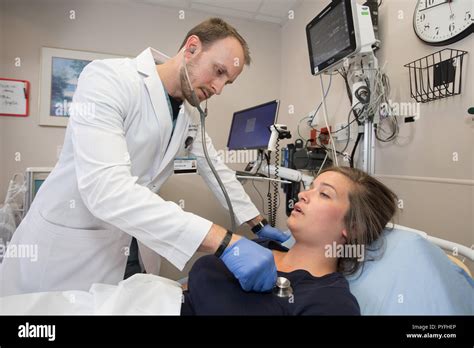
[(131, 117)]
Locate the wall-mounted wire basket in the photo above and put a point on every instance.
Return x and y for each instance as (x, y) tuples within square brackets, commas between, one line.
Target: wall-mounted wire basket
[(436, 76)]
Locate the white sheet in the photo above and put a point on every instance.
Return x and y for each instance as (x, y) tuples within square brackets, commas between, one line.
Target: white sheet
[(141, 294)]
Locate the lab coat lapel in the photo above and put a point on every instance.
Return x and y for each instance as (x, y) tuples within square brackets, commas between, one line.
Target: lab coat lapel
[(146, 65), (178, 137)]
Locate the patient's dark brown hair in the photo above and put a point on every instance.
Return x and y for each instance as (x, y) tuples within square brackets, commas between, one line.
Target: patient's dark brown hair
[(371, 206)]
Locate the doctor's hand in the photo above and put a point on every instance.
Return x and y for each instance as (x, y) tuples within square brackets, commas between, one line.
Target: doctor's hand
[(252, 264), (273, 233)]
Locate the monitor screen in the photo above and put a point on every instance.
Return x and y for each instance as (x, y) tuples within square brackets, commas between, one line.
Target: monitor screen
[(249, 129), (331, 35)]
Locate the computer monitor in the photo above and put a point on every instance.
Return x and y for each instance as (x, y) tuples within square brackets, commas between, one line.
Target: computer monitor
[(343, 29), (35, 177), (249, 129)]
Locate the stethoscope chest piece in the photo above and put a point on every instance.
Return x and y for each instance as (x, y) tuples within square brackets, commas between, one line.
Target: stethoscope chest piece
[(283, 287)]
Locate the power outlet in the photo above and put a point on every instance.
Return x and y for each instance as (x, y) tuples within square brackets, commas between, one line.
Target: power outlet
[(343, 134)]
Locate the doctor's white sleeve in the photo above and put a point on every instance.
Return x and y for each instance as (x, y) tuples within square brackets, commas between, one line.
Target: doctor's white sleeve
[(243, 207), (103, 169)]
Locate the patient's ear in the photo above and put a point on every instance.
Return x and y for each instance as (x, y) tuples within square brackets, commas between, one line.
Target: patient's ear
[(344, 235)]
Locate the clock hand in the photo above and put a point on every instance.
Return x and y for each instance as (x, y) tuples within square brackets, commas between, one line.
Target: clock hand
[(441, 3)]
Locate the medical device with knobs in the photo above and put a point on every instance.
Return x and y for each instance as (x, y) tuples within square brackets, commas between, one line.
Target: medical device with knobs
[(279, 131), (354, 26)]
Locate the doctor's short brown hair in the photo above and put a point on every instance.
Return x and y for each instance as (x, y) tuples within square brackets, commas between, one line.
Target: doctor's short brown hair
[(214, 29)]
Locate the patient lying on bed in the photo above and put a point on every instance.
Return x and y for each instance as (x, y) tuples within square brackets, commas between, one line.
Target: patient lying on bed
[(344, 207)]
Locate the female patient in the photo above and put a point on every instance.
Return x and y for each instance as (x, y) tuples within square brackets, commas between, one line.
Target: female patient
[(344, 210)]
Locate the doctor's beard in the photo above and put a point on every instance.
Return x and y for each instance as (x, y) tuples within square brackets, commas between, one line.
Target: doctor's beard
[(185, 88)]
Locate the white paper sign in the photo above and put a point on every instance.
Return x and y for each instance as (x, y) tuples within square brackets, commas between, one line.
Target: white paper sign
[(13, 99)]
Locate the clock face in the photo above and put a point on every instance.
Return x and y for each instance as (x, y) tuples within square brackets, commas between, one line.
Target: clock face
[(442, 22)]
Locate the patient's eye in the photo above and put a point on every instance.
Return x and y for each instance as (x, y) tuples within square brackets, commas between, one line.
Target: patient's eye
[(324, 195)]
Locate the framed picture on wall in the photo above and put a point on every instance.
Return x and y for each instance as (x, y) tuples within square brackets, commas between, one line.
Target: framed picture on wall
[(60, 70)]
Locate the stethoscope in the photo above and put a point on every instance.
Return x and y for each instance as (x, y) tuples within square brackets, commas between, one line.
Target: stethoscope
[(283, 287), (193, 93), (203, 114)]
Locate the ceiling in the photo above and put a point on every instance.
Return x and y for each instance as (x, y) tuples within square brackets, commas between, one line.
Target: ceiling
[(271, 11)]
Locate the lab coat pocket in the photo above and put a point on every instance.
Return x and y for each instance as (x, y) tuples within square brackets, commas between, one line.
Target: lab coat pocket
[(71, 232), (77, 258)]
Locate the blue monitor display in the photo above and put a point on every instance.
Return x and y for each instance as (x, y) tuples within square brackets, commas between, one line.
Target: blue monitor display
[(249, 128)]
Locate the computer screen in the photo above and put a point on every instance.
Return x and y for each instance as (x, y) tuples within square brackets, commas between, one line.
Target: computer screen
[(249, 129), (331, 35)]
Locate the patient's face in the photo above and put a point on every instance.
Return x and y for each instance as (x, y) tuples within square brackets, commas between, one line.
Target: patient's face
[(318, 217)]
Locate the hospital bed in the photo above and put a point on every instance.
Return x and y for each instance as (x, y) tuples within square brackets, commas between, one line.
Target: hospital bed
[(137, 295), (406, 273)]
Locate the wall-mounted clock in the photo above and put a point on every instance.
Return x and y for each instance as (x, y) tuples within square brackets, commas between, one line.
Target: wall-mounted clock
[(443, 22)]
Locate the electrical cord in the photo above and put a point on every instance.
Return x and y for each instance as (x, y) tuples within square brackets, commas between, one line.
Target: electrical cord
[(322, 165), (394, 133), (326, 120), (375, 98), (349, 129), (341, 153), (382, 89), (310, 118), (298, 126), (330, 150), (351, 159), (377, 105), (343, 72), (269, 192), (321, 103), (275, 201), (348, 118), (349, 133)]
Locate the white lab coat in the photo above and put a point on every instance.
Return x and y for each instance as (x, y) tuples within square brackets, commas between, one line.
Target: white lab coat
[(117, 154)]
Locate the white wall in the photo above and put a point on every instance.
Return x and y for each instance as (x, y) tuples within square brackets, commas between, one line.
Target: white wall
[(122, 28), (2, 53), (445, 210), (425, 148)]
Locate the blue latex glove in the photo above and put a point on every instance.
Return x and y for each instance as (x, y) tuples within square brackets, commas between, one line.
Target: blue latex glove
[(252, 264), (273, 233)]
